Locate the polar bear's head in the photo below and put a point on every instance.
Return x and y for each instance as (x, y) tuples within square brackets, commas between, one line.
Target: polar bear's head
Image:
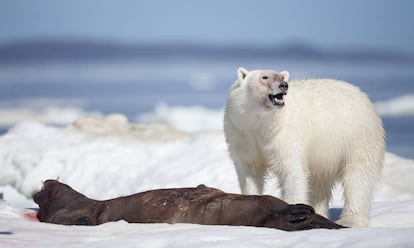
[(265, 86)]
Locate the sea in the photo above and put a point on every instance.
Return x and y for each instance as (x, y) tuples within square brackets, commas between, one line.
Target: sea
[(136, 79)]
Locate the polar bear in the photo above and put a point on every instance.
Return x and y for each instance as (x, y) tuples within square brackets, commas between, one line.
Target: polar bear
[(309, 134)]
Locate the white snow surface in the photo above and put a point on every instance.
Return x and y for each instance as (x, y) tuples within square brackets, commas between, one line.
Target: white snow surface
[(111, 157)]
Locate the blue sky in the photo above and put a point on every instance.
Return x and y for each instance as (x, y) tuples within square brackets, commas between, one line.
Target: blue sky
[(377, 24)]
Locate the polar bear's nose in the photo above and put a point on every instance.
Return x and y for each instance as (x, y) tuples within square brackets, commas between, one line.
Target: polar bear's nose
[(283, 86)]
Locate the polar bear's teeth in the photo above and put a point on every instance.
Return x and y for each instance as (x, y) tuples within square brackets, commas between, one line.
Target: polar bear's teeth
[(280, 96), (277, 99), (272, 99)]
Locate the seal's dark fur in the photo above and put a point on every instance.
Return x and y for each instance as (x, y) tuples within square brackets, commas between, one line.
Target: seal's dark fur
[(60, 204)]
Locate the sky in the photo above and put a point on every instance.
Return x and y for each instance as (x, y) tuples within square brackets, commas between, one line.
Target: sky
[(373, 24)]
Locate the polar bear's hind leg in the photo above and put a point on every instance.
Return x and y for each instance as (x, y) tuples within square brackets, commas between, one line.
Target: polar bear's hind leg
[(359, 182)]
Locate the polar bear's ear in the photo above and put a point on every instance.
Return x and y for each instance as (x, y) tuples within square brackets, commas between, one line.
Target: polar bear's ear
[(285, 75), (242, 73)]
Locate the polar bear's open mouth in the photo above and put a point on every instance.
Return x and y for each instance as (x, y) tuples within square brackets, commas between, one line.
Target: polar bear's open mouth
[(277, 99)]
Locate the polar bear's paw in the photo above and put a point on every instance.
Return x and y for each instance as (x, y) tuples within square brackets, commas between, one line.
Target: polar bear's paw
[(353, 221)]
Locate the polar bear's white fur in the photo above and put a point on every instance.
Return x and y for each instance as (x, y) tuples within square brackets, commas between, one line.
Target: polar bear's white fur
[(316, 133)]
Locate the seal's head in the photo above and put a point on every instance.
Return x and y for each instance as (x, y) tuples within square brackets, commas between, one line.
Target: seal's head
[(59, 203)]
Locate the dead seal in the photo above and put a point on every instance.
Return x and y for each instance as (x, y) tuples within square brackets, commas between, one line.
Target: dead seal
[(60, 204)]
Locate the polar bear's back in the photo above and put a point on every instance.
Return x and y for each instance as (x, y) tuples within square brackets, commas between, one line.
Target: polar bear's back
[(327, 91), (336, 118)]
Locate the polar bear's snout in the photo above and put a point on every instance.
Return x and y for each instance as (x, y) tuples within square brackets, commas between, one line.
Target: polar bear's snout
[(276, 98), (283, 86)]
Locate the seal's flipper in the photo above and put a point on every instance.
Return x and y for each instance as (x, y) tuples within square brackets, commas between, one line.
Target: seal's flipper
[(303, 217)]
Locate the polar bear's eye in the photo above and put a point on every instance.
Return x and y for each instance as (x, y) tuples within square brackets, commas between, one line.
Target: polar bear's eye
[(264, 77)]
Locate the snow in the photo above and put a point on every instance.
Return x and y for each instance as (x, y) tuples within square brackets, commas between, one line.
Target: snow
[(105, 158)]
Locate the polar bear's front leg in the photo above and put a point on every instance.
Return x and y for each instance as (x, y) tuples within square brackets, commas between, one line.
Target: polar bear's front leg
[(251, 179), (293, 182)]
